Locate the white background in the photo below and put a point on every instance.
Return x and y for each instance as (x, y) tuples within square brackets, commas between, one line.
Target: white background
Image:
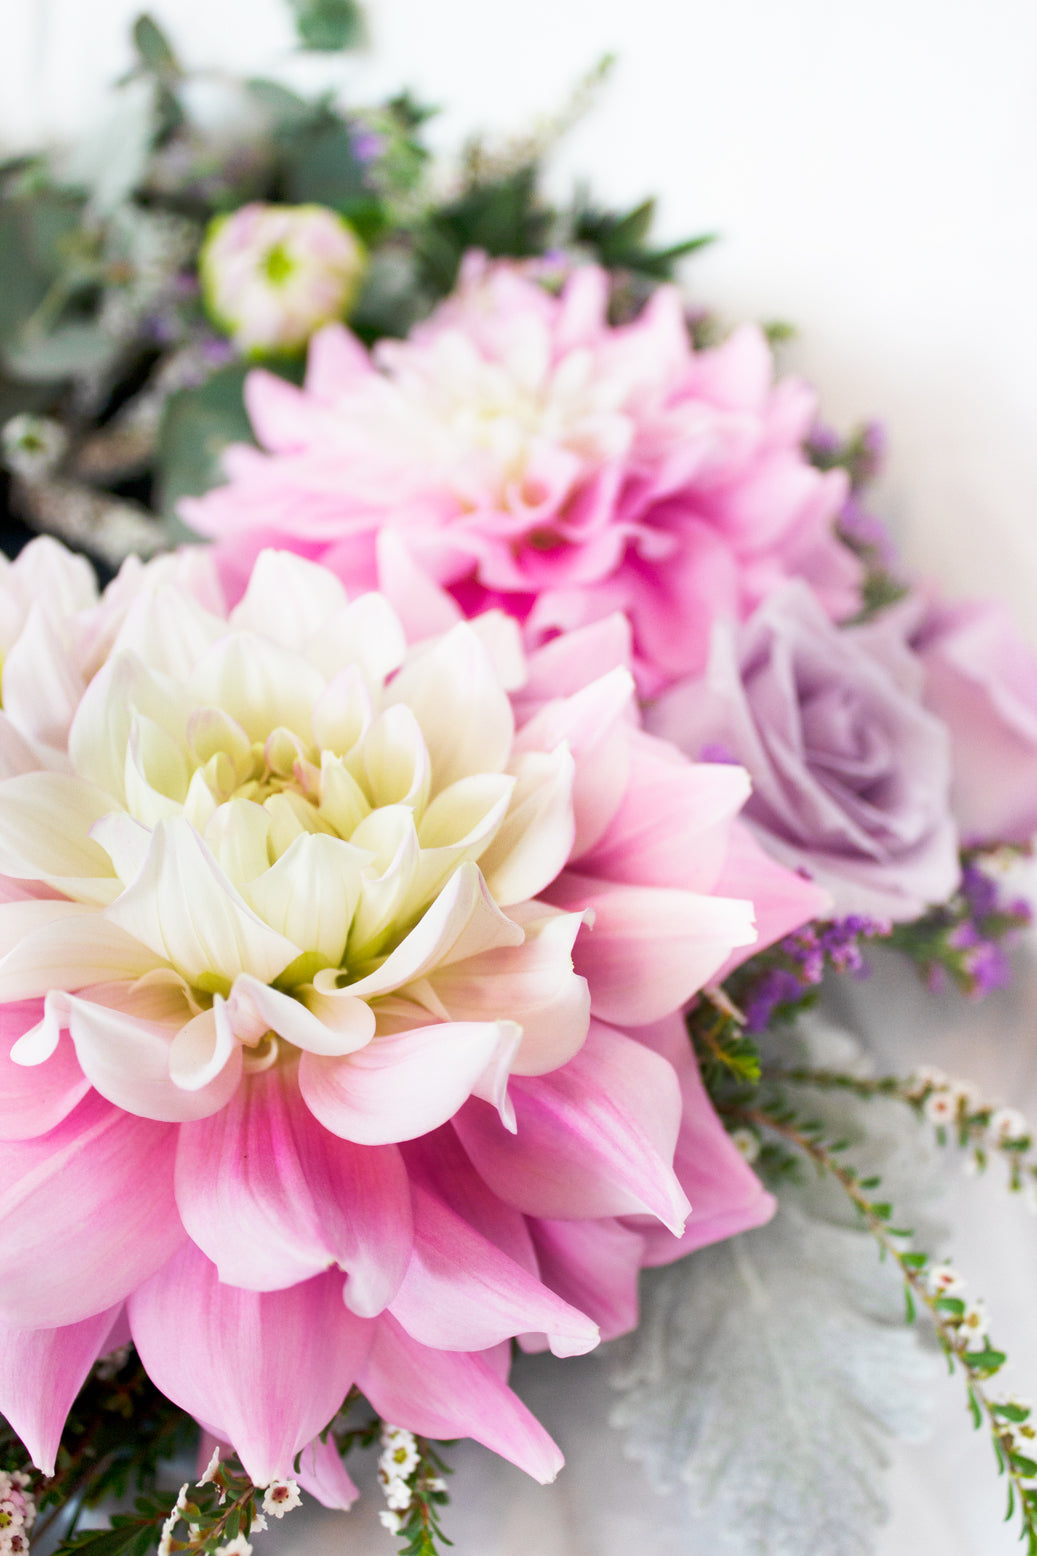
[(872, 171)]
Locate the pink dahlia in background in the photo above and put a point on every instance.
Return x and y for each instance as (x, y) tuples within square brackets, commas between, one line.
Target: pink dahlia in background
[(531, 456), (340, 1038)]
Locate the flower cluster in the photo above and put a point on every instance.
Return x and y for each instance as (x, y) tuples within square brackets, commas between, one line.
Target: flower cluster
[(783, 979), (342, 993), (17, 1512)]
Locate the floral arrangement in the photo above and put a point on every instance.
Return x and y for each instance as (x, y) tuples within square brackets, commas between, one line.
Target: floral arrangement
[(413, 894)]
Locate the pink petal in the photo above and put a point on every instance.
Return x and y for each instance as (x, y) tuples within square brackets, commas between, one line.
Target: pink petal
[(461, 1293), (594, 1265), (323, 1474), (273, 1198), (647, 949), (41, 1372), (35, 1098), (86, 1213), (335, 360), (445, 1394), (595, 1138), (593, 723), (782, 900), (127, 1059), (439, 1162), (403, 1084), (726, 1195), (271, 1367)]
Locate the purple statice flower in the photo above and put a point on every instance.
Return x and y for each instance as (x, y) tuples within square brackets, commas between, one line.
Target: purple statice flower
[(366, 144), (796, 965)]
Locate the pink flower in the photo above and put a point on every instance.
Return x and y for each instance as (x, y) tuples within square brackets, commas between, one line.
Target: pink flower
[(531, 456), (981, 680), (272, 274), (341, 1038)]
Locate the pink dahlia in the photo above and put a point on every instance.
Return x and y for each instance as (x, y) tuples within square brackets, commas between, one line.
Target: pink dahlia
[(340, 1035), (533, 457)]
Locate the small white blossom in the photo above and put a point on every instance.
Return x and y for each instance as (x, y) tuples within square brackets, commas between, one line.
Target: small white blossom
[(259, 1523), (398, 1494), (391, 1521), (927, 1078), (32, 445), (975, 1323), (941, 1108), (280, 1497), (164, 1546), (944, 1281), (967, 1098), (1008, 1124), (239, 1546), (211, 1468), (436, 1483), (747, 1142)]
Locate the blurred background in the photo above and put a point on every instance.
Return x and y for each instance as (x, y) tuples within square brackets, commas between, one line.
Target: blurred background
[(871, 174)]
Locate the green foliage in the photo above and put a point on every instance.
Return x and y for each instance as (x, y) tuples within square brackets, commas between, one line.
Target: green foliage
[(328, 25), (619, 240), (502, 217), (154, 51), (197, 426)]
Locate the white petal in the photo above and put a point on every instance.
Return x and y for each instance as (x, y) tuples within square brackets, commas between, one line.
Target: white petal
[(535, 840), (45, 821), (464, 713), (259, 683), (75, 951), (288, 599), (350, 1025), (367, 634), (395, 761), (311, 894), (186, 910), (204, 1049)]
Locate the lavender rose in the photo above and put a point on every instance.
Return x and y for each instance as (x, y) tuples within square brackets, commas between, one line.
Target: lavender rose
[(981, 679), (851, 774)]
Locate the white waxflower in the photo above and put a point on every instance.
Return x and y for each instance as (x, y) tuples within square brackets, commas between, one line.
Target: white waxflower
[(944, 1281), (280, 1497), (747, 1141), (941, 1108), (927, 1078), (211, 1468), (391, 1521), (1007, 1124), (975, 1323), (397, 1494), (32, 446), (239, 1546)]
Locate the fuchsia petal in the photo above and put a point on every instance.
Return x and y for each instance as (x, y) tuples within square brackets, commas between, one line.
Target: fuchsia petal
[(273, 1198), (35, 1098), (726, 1195), (322, 1473), (403, 1084), (447, 1394), (594, 1265), (86, 1213), (647, 949), (271, 1367), (595, 1138), (462, 1293), (782, 899), (41, 1372)]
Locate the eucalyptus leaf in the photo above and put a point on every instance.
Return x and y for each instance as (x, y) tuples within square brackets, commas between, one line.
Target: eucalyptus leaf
[(197, 426), (328, 25), (154, 49), (112, 160), (70, 351), (323, 168), (35, 233)]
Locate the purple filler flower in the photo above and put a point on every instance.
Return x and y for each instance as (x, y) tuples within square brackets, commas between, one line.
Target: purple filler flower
[(851, 774)]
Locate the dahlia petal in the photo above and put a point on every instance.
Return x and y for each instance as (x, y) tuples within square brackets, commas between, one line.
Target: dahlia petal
[(781, 899), (310, 894), (461, 1293), (323, 1474), (646, 950), (71, 951), (595, 1138), (439, 1162), (566, 663), (127, 1060), (534, 982), (19, 754), (422, 606), (272, 1367), (444, 1394), (329, 1024), (41, 680), (205, 1056), (261, 684), (86, 1212), (595, 1265), (334, 361), (34, 1099), (288, 598), (45, 819), (273, 1198), (402, 1084), (461, 922), (366, 633), (536, 838), (671, 827), (463, 711), (41, 1372), (593, 721), (183, 907), (727, 1197)]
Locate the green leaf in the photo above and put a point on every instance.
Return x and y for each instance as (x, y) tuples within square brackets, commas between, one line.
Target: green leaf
[(35, 234), (322, 168), (69, 351), (287, 109), (328, 25), (112, 160), (197, 426), (154, 49)]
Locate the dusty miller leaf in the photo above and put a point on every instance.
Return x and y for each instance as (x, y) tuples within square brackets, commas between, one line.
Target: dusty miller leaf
[(112, 160), (769, 1371)]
